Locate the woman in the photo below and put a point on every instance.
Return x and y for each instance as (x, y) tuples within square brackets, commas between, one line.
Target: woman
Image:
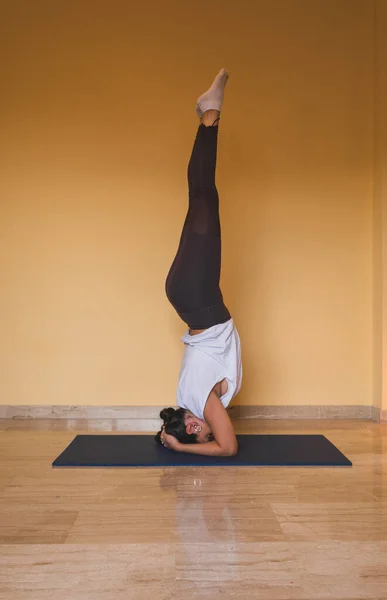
[(211, 371)]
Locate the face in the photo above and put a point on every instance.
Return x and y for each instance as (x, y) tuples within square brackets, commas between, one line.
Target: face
[(198, 427)]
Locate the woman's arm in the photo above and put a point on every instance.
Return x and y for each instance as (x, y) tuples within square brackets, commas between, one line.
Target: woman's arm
[(206, 449), (225, 443)]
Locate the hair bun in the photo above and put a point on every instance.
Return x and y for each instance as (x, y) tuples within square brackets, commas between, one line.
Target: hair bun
[(167, 413)]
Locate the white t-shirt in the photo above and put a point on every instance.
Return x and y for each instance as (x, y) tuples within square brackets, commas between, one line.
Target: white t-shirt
[(209, 357)]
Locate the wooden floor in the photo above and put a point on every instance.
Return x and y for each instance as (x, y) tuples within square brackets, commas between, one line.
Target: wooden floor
[(248, 533)]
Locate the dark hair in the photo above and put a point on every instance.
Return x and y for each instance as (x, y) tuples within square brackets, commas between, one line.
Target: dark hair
[(174, 425)]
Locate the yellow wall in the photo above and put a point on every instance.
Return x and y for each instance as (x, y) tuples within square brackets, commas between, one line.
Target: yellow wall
[(97, 121), (380, 208)]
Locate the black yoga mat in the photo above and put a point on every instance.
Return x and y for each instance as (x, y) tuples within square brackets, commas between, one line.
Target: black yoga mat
[(254, 450)]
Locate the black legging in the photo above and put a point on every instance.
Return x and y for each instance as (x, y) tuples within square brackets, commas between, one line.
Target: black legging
[(192, 285)]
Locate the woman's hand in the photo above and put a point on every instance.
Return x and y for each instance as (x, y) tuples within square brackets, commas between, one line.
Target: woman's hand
[(169, 441)]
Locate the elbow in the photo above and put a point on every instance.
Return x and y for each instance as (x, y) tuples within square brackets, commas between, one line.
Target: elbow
[(230, 450)]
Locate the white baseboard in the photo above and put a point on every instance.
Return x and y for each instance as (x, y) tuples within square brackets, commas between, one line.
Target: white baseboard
[(151, 413)]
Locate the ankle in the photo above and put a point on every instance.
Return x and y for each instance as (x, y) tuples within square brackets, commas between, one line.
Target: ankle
[(210, 118)]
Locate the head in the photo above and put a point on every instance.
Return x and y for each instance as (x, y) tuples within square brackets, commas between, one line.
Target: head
[(185, 427)]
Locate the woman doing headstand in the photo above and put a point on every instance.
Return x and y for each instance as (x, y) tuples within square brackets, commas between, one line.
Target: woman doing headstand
[(211, 370)]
